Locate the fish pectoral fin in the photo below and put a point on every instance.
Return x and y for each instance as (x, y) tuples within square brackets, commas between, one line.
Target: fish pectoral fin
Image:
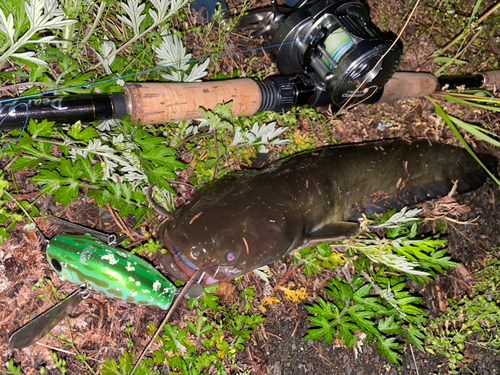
[(332, 231)]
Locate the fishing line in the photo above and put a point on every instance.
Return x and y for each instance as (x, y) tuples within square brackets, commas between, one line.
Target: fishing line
[(7, 108), (87, 85), (24, 127)]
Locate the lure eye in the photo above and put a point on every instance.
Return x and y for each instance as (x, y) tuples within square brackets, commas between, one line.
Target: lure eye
[(56, 264), (231, 257)]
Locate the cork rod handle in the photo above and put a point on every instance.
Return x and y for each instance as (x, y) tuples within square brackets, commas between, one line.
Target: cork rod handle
[(158, 103)]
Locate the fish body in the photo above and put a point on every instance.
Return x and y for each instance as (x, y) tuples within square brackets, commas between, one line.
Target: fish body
[(113, 272), (249, 219)]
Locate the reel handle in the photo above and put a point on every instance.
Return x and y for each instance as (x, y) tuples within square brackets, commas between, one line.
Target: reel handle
[(157, 103)]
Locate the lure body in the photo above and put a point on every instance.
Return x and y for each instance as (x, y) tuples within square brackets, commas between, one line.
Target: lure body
[(113, 272), (249, 219)]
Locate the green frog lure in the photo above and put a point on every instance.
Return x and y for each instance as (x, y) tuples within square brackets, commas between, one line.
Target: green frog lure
[(115, 273)]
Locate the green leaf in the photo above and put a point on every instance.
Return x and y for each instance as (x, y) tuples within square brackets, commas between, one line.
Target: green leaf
[(326, 309), (123, 196), (455, 131), (84, 134), (92, 172), (388, 325), (40, 129), (327, 329), (362, 319), (345, 328), (387, 347), (146, 140), (23, 162), (415, 336)]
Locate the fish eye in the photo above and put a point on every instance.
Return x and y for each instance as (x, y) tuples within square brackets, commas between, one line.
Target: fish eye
[(231, 257), (56, 264)]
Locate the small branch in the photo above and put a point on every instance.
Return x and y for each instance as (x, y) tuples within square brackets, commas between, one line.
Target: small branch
[(120, 223), (284, 278), (414, 361)]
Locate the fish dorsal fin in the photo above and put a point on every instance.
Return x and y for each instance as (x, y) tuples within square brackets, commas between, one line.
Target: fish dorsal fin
[(333, 231)]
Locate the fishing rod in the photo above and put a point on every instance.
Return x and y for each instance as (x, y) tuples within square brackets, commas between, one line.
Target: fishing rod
[(326, 50)]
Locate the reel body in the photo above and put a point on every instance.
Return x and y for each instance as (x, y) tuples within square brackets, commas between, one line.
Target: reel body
[(331, 44)]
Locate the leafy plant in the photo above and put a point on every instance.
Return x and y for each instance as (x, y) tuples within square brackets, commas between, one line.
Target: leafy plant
[(208, 344), (8, 218), (110, 168), (171, 53), (471, 321), (221, 137), (372, 297), (352, 308), (12, 368), (38, 15), (473, 27), (475, 130)]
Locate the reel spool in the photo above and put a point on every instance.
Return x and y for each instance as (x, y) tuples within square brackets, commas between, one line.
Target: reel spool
[(331, 42)]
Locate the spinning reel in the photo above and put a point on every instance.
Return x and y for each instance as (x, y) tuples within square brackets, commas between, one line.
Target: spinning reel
[(328, 49)]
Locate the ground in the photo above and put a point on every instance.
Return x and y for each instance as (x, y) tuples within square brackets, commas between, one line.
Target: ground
[(277, 347)]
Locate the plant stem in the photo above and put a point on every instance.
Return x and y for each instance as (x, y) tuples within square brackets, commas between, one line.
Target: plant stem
[(21, 207), (94, 25), (459, 36)]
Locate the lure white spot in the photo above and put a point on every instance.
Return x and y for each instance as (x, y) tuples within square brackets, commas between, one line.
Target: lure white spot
[(156, 286), (138, 283), (131, 279), (145, 291), (110, 258), (129, 267), (132, 294)]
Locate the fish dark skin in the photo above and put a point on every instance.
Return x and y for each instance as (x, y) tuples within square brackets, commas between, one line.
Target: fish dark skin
[(249, 219)]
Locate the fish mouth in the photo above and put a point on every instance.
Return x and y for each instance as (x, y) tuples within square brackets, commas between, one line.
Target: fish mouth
[(176, 264)]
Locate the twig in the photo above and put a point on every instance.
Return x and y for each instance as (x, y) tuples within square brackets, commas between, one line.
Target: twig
[(64, 351), (174, 307), (195, 217), (157, 208), (246, 245), (322, 356), (414, 361), (120, 223), (295, 329), (458, 37), (272, 334), (284, 278)]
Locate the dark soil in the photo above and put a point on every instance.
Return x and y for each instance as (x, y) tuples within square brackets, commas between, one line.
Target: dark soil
[(277, 347)]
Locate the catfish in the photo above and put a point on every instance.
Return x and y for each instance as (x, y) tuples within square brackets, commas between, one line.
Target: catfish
[(248, 219)]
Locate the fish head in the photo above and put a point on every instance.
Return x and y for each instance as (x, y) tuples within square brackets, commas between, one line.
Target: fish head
[(234, 236)]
